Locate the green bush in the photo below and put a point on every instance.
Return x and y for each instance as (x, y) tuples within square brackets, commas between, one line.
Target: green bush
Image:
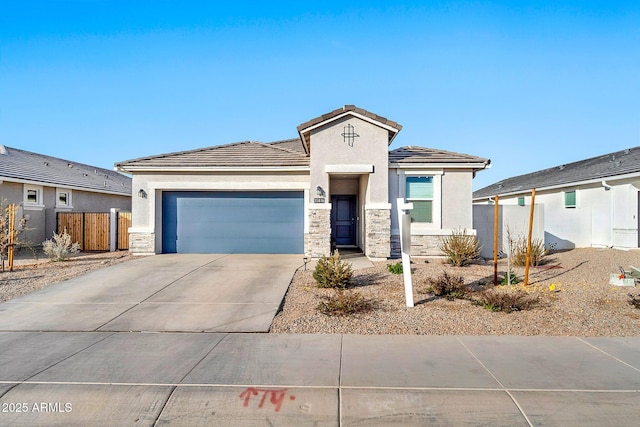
[(60, 247), (332, 272), (459, 248), (450, 287), (343, 303), (495, 300), (395, 268), (519, 252), (509, 279)]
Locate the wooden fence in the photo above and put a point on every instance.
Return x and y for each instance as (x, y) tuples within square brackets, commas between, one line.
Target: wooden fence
[(92, 230), (122, 234)]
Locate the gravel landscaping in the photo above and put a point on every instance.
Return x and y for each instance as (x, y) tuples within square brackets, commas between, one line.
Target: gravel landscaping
[(572, 290)]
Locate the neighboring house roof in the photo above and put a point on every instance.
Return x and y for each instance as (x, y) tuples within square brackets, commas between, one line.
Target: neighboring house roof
[(405, 156), (305, 128), (24, 166), (603, 167), (247, 154)]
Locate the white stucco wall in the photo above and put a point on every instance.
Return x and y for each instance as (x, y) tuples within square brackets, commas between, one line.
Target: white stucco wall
[(369, 148), (511, 218), (601, 218)]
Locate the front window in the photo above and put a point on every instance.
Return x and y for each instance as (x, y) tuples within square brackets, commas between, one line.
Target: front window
[(419, 191)]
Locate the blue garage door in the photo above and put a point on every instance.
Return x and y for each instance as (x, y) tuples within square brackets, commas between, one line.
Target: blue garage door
[(232, 222)]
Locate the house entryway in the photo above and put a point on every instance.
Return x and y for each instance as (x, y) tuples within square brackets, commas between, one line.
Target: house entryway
[(344, 216)]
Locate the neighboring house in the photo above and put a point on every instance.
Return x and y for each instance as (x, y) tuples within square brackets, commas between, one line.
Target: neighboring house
[(592, 202), (44, 185), (335, 185)]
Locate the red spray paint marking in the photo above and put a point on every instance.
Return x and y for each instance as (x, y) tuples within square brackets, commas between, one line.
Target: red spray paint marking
[(276, 397)]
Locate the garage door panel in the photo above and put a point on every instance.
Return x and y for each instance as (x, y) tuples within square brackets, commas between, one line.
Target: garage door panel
[(233, 222)]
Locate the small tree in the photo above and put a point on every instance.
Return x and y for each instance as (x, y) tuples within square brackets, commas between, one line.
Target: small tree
[(60, 247), (332, 272), (8, 231)]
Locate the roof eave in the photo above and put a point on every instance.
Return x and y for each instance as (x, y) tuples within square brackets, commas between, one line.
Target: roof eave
[(563, 185), (476, 166), (65, 186), (131, 169)]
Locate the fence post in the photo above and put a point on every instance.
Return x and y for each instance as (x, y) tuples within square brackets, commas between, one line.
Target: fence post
[(113, 229)]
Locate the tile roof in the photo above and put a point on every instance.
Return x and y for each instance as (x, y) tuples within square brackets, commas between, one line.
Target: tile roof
[(412, 154), (353, 108), (294, 144), (304, 130), (239, 154), (38, 168), (602, 167)]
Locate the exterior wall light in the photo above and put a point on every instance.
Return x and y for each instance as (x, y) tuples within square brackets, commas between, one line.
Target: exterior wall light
[(142, 194)]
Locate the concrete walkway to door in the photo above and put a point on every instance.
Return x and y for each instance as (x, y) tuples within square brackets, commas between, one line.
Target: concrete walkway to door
[(162, 293)]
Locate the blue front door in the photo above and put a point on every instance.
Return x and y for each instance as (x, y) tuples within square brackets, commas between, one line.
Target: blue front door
[(343, 220), (232, 222)]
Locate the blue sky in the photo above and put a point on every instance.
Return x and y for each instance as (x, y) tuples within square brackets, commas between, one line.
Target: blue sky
[(529, 85)]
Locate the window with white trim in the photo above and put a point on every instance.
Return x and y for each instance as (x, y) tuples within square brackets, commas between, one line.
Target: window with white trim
[(419, 191), (32, 196), (63, 198)]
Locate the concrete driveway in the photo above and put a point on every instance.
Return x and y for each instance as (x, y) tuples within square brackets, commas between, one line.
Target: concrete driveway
[(162, 293)]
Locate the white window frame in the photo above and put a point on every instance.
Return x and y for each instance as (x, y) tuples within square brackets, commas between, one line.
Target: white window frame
[(68, 204), (436, 214), (30, 205)]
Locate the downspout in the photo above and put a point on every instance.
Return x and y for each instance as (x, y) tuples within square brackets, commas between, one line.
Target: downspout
[(607, 187)]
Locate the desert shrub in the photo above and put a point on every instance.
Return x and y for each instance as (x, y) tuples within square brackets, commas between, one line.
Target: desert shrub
[(519, 251), (507, 302), (60, 247), (509, 279), (343, 303), (332, 272), (395, 268), (448, 286), (634, 300), (459, 248)]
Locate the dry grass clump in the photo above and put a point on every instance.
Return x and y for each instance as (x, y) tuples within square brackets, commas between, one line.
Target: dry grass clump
[(519, 252), (447, 286), (343, 303), (506, 301), (460, 248)]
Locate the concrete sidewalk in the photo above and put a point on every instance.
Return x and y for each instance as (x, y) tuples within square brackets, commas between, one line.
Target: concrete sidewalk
[(188, 379)]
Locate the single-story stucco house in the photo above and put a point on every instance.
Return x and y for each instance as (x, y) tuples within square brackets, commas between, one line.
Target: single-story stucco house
[(43, 186), (588, 203), (336, 184)]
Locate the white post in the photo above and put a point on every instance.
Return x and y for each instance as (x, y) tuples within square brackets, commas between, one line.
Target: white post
[(404, 223), (113, 229)]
